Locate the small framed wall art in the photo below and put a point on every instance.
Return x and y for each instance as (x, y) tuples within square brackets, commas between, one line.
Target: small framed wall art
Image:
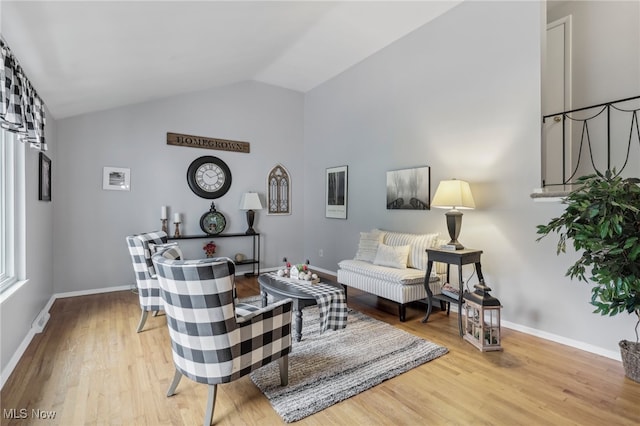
[(336, 192), (409, 189), (279, 191), (116, 179), (44, 181)]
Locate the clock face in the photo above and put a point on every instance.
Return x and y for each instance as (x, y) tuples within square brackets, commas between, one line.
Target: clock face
[(213, 223), (209, 177)]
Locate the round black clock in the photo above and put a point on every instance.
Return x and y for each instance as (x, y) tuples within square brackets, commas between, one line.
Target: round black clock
[(209, 177), (213, 222)]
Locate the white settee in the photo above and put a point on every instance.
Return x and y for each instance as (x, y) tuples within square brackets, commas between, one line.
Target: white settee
[(392, 265)]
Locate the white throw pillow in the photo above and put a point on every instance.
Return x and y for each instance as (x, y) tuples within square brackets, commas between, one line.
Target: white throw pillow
[(368, 245), (392, 256), (419, 244)]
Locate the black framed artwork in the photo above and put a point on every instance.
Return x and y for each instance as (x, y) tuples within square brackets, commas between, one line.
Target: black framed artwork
[(409, 189), (44, 186), (336, 192)]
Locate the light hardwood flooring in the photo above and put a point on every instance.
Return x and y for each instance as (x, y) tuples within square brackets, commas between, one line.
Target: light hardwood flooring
[(90, 367)]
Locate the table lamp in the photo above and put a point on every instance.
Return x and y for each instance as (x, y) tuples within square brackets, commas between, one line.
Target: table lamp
[(453, 194), (250, 202)]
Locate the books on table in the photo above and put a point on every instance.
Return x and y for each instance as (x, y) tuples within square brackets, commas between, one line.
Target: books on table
[(451, 291)]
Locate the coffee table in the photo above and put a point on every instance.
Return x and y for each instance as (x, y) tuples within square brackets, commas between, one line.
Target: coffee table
[(269, 285)]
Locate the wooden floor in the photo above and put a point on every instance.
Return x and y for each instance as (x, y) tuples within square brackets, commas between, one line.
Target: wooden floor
[(89, 366)]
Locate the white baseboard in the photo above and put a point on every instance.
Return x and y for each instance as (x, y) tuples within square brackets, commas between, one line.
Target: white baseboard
[(36, 327), (563, 340), (555, 338), (94, 291), (40, 323), (6, 372)]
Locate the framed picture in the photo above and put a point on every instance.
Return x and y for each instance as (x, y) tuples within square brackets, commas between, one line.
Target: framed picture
[(116, 179), (44, 185), (336, 192), (409, 189), (279, 191)]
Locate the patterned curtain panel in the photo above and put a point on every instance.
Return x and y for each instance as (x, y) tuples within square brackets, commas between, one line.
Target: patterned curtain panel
[(22, 110)]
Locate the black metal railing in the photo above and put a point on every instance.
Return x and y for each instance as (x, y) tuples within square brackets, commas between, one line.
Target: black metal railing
[(616, 138)]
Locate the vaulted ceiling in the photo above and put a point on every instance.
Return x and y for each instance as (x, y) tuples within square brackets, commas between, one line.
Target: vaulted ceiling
[(85, 56)]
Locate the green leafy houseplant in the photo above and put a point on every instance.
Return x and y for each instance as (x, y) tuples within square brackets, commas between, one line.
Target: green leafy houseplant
[(602, 219)]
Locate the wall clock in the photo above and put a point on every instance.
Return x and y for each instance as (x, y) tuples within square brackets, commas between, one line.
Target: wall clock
[(213, 222), (209, 177)]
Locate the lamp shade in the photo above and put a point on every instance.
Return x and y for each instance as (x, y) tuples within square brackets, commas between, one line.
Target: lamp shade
[(453, 194), (250, 201)]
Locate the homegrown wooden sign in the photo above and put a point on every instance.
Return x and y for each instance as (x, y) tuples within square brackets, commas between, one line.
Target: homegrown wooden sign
[(208, 143)]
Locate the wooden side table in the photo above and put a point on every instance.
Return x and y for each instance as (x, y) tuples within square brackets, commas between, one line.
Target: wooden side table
[(450, 257)]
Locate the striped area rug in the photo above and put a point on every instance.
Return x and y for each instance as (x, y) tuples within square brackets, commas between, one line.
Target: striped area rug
[(330, 367)]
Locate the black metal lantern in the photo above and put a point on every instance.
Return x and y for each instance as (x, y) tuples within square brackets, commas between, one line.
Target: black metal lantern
[(482, 319)]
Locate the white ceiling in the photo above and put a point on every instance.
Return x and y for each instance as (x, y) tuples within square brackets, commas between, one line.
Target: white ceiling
[(84, 56)]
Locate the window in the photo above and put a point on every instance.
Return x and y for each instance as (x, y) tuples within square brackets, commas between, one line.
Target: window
[(10, 163), (279, 191)]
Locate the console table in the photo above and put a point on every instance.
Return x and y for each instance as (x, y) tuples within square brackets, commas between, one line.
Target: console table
[(255, 254), (450, 257)]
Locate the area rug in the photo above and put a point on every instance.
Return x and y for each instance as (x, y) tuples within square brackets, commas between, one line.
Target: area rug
[(330, 367)]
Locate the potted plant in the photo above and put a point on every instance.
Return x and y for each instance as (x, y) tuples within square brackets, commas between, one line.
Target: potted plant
[(602, 219)]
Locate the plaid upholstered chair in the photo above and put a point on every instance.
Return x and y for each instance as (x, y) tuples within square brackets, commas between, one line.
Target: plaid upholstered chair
[(141, 247), (214, 339)]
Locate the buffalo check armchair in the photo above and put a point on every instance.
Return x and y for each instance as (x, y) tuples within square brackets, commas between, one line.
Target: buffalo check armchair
[(214, 339), (141, 248)]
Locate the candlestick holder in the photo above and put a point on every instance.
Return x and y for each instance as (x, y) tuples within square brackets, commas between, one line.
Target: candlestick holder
[(176, 234), (164, 226)]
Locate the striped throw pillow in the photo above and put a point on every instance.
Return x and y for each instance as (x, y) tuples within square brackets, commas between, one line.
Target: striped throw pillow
[(368, 245)]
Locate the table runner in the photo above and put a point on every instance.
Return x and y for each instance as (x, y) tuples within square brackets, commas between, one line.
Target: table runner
[(331, 301)]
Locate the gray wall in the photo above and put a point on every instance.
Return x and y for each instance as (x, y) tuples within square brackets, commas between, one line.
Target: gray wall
[(605, 68), (22, 305), (461, 95), (606, 57), (90, 227)]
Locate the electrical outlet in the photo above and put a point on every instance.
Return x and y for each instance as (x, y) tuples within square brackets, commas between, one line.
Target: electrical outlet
[(320, 252)]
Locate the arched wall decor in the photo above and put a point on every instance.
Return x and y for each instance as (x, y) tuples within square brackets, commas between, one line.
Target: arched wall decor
[(279, 191)]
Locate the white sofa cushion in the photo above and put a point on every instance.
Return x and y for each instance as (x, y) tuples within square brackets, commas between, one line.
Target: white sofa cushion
[(419, 244), (407, 276), (368, 245), (392, 256)]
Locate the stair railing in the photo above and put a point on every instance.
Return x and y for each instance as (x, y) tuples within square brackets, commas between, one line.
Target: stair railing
[(569, 118)]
